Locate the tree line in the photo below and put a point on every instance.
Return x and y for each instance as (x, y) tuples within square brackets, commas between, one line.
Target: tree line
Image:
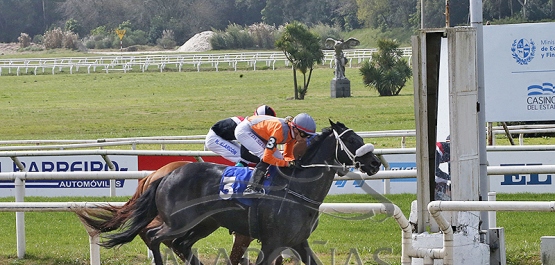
[(185, 18)]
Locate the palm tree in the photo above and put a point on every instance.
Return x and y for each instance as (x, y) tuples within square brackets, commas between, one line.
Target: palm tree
[(387, 72)]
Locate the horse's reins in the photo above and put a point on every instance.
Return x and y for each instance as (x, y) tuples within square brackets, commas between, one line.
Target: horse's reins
[(339, 143)]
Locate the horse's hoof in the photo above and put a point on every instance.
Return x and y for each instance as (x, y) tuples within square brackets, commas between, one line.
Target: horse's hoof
[(245, 261)]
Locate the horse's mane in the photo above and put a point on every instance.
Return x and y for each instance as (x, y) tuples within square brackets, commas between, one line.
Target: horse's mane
[(315, 144)]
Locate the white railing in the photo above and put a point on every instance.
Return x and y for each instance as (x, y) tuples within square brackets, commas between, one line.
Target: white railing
[(20, 207), (19, 178), (14, 145), (436, 207), (174, 60), (407, 251)]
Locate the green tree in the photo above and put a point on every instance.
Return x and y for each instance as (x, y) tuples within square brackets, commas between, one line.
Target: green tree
[(302, 49), (387, 72), (385, 14), (74, 26)]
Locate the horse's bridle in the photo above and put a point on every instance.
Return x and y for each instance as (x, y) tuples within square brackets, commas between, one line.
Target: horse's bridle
[(343, 146), (339, 144)]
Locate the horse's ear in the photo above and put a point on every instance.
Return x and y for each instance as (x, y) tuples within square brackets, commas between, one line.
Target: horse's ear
[(331, 123)]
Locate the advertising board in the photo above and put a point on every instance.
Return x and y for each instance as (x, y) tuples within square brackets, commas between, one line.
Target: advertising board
[(61, 187), (510, 183), (519, 72)]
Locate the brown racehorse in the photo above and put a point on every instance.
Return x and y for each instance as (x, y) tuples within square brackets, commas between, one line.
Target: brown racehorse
[(110, 218)]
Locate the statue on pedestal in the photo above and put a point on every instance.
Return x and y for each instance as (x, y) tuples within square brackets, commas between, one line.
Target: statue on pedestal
[(340, 60)]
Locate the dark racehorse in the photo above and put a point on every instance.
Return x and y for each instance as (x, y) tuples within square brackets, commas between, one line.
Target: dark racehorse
[(187, 200), (110, 217)]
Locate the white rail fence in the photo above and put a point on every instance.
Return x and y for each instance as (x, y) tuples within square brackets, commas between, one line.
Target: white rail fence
[(174, 60), (20, 207), (63, 147), (163, 141), (407, 250), (436, 207), (19, 177)]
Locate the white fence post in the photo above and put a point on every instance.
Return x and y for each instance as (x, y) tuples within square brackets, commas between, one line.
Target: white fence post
[(492, 216), (20, 217)]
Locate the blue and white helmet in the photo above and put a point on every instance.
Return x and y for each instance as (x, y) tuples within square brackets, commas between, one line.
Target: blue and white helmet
[(305, 123), (265, 110)]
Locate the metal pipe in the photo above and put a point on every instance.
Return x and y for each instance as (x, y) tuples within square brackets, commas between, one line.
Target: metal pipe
[(199, 139), (386, 151), (507, 133), (388, 174), (386, 182), (102, 175), (436, 207), (391, 151), (476, 21), (53, 206), (105, 152), (18, 163), (492, 196), (517, 206), (503, 170), (112, 167), (94, 249), (515, 148), (384, 208), (20, 218)]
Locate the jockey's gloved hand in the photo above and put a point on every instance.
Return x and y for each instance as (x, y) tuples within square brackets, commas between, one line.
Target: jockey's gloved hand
[(294, 163)]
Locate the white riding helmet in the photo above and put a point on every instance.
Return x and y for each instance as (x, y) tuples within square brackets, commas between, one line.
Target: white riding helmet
[(305, 123), (265, 110)]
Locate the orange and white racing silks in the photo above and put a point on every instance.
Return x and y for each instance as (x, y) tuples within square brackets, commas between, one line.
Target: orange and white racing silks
[(262, 134)]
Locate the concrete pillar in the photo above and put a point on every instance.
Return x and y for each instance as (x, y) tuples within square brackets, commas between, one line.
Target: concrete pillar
[(547, 248)]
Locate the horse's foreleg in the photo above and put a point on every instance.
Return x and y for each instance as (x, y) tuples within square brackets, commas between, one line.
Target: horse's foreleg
[(240, 244)]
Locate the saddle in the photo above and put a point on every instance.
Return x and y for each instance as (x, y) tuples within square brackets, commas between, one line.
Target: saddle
[(235, 180)]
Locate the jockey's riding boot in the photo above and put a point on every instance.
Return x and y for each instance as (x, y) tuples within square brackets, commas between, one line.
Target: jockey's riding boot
[(241, 164), (258, 173)]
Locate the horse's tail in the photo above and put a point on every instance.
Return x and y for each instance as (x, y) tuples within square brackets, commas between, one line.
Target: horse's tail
[(105, 218), (108, 218), (143, 212)]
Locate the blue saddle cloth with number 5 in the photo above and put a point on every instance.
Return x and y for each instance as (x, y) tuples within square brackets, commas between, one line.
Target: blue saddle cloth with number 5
[(235, 180)]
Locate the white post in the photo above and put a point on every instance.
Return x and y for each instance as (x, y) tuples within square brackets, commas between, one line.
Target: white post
[(476, 21), (492, 216), (386, 186), (94, 239), (386, 182), (112, 181), (94, 249), (20, 217)]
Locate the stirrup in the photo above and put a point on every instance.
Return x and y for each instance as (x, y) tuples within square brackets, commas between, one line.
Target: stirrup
[(251, 190)]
